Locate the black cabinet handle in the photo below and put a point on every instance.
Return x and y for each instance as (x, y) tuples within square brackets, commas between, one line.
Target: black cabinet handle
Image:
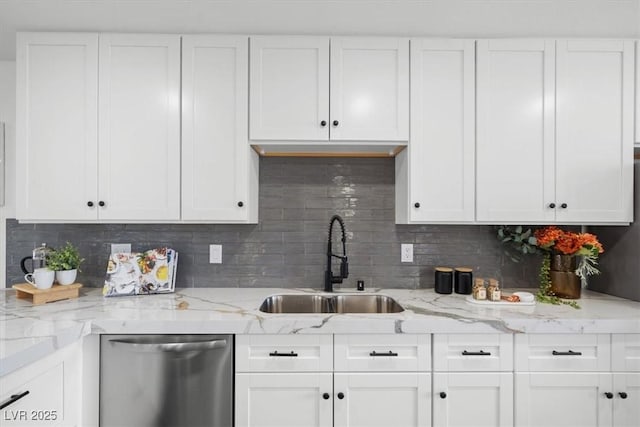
[(566, 353), (389, 354), (276, 354), (14, 398), (336, 123), (552, 205), (101, 203), (609, 395), (240, 204), (476, 353), (623, 395), (323, 123), (341, 395), (90, 204), (443, 395), (325, 396), (416, 204), (563, 206)]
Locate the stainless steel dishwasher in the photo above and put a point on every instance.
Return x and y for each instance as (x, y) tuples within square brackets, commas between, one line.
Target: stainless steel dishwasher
[(166, 380)]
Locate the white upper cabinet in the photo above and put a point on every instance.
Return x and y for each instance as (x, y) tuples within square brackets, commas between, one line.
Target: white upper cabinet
[(594, 131), (369, 89), (139, 122), (219, 169), (638, 94), (555, 131), (291, 97), (515, 131), (289, 88), (57, 109), (435, 174)]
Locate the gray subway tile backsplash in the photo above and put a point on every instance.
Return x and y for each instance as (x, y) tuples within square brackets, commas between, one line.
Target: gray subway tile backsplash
[(288, 247)]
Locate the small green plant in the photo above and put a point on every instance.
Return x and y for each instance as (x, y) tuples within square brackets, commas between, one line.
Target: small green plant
[(65, 258), (517, 242)]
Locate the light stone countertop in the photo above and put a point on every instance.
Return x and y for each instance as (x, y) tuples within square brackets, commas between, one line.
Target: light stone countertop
[(28, 333)]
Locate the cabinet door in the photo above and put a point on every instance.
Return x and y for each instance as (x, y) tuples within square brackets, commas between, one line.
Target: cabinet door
[(561, 399), (284, 400), (382, 400), (515, 139), (219, 169), (473, 399), (638, 93), (57, 133), (594, 147), (139, 122), (289, 88), (442, 149), (626, 399), (370, 89)]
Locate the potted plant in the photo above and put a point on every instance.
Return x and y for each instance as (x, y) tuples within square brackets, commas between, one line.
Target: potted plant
[(66, 263)]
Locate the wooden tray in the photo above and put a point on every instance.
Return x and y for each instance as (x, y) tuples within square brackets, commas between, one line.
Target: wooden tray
[(500, 303), (41, 296)]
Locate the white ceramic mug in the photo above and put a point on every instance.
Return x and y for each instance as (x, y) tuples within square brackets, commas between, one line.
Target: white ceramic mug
[(41, 278)]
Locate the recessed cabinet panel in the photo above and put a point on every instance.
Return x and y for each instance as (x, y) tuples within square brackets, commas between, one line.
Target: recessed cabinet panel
[(219, 169), (625, 352), (386, 352), (382, 399), (369, 89), (56, 120), (626, 399), (594, 146), (562, 352), (563, 399), (284, 353), (284, 400), (139, 121), (289, 88), (441, 155), (476, 399), (515, 131), (477, 352)]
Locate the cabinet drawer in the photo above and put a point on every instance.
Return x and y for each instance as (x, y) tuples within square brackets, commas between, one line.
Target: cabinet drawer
[(282, 353), (382, 353), (43, 405), (562, 352), (625, 352), (466, 352)]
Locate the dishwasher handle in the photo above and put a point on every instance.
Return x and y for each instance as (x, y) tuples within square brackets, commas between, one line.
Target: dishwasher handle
[(175, 347)]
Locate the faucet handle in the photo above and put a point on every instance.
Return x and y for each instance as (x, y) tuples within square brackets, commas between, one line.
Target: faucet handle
[(344, 268)]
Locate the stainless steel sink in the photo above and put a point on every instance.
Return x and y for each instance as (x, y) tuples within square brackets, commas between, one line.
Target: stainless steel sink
[(308, 303), (296, 304), (365, 304)]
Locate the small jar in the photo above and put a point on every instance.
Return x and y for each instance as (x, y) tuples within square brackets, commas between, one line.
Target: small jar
[(479, 290), (493, 290)]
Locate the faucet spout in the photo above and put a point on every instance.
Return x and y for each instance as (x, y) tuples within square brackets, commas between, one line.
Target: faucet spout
[(329, 278)]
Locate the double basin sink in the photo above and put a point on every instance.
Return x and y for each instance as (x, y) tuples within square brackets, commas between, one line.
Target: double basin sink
[(342, 304)]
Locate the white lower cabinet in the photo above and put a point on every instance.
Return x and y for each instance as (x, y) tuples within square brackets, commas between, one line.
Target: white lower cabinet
[(284, 399), (472, 380), (382, 399), (473, 399), (626, 399), (289, 380), (46, 392)]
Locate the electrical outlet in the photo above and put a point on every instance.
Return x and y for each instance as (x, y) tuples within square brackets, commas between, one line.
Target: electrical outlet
[(406, 252), (120, 248), (215, 254)]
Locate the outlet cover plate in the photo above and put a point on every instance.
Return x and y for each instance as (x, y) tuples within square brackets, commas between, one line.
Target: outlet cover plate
[(121, 248), (215, 254), (406, 252)]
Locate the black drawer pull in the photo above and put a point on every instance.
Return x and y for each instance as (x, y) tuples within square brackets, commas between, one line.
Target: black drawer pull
[(13, 398), (276, 354), (476, 353), (566, 353), (389, 354)]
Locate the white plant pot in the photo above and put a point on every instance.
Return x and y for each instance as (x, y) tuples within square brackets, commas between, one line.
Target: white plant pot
[(66, 277)]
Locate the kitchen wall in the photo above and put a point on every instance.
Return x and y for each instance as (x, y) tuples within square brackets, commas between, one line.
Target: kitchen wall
[(288, 247)]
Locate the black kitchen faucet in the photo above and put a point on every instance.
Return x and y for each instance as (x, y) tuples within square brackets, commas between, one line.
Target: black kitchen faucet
[(329, 278)]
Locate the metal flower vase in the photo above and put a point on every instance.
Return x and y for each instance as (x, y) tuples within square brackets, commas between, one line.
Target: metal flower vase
[(565, 283)]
